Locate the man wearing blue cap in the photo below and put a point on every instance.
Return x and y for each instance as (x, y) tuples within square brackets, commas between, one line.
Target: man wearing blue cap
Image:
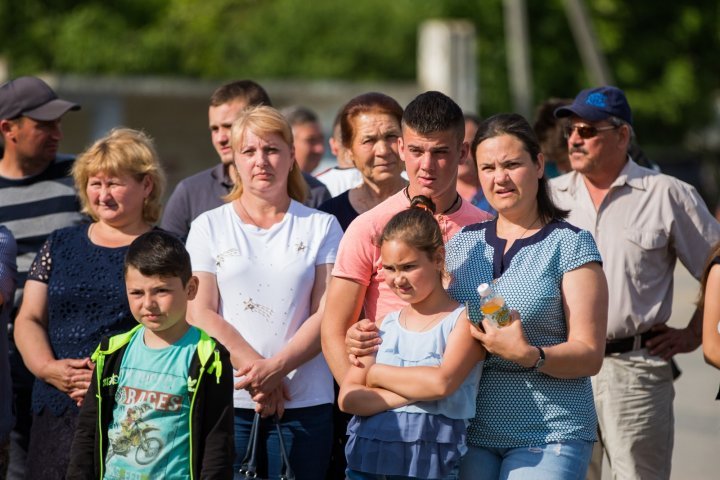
[(643, 222), (37, 196)]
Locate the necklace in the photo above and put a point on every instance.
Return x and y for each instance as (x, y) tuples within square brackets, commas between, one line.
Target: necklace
[(403, 321), (247, 214), (458, 200), (526, 230), (529, 227)]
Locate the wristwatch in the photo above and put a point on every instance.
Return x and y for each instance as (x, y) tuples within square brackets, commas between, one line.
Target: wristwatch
[(540, 361)]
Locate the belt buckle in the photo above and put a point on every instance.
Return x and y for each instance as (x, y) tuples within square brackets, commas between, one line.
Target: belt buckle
[(637, 342)]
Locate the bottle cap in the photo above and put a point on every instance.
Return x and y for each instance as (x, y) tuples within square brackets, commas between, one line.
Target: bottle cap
[(484, 289)]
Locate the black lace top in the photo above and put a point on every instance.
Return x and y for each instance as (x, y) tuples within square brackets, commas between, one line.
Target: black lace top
[(86, 301)]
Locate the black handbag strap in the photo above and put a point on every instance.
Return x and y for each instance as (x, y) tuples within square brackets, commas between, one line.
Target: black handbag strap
[(286, 472), (248, 467)]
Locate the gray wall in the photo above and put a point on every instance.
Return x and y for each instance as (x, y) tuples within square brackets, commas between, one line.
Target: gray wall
[(174, 112)]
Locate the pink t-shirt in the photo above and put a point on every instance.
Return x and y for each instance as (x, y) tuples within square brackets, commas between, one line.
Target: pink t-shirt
[(358, 257)]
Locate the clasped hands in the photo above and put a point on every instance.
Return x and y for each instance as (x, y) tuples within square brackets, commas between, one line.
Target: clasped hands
[(263, 380), (69, 375)]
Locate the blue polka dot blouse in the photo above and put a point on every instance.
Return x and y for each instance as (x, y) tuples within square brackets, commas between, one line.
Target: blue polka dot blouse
[(517, 406)]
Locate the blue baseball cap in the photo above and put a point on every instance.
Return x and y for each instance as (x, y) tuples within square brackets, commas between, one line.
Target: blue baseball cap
[(595, 104)]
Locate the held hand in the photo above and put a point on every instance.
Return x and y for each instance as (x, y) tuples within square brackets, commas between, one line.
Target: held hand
[(267, 407), (671, 341), (272, 403), (68, 374), (82, 380), (265, 398), (362, 339), (78, 396), (260, 376)]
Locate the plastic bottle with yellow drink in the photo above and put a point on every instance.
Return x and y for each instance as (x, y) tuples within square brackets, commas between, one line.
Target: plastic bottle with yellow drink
[(493, 306)]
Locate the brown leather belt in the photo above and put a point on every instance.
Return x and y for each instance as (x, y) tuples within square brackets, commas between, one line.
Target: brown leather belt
[(629, 344)]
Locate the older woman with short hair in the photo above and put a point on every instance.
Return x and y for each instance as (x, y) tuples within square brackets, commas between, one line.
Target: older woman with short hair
[(264, 260), (75, 292), (370, 128)]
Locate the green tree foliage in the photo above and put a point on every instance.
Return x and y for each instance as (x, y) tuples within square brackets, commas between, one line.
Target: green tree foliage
[(662, 53)]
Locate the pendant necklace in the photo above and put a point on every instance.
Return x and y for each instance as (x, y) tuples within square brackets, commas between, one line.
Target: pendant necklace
[(458, 200)]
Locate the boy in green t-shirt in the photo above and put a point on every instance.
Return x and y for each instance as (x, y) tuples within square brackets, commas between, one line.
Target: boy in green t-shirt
[(160, 404)]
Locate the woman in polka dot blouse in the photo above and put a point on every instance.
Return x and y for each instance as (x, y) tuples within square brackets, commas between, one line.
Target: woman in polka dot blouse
[(535, 416)]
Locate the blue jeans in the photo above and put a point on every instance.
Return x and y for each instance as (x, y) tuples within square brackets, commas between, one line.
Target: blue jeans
[(552, 461), (355, 475), (307, 436)]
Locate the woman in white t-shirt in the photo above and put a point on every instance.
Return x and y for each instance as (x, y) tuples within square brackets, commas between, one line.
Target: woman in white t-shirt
[(264, 261)]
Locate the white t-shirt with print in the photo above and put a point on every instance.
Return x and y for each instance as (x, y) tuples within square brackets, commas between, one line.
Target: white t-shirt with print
[(265, 279)]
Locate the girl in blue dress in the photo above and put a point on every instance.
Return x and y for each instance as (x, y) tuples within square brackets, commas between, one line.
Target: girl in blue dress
[(412, 399)]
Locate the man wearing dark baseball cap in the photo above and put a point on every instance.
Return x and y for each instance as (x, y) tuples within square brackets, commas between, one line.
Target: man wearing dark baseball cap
[(31, 97), (30, 114), (595, 104), (643, 222), (37, 196)]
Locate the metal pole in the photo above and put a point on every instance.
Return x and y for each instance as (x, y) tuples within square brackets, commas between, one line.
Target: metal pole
[(447, 62), (517, 42), (586, 41)]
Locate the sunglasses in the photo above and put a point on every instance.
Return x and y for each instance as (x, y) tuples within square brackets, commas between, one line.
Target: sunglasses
[(586, 131)]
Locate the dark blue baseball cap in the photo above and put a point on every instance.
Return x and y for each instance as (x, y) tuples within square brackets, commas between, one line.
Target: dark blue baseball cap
[(595, 104)]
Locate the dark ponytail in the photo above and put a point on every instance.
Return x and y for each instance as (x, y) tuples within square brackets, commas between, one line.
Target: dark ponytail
[(415, 226)]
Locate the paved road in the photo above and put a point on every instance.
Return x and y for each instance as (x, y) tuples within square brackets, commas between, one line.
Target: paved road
[(697, 413)]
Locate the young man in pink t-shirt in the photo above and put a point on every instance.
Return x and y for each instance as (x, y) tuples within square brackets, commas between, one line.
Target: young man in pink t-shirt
[(432, 146)]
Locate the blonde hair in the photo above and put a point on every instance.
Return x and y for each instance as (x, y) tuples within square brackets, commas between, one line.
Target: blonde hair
[(122, 151), (263, 120)]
